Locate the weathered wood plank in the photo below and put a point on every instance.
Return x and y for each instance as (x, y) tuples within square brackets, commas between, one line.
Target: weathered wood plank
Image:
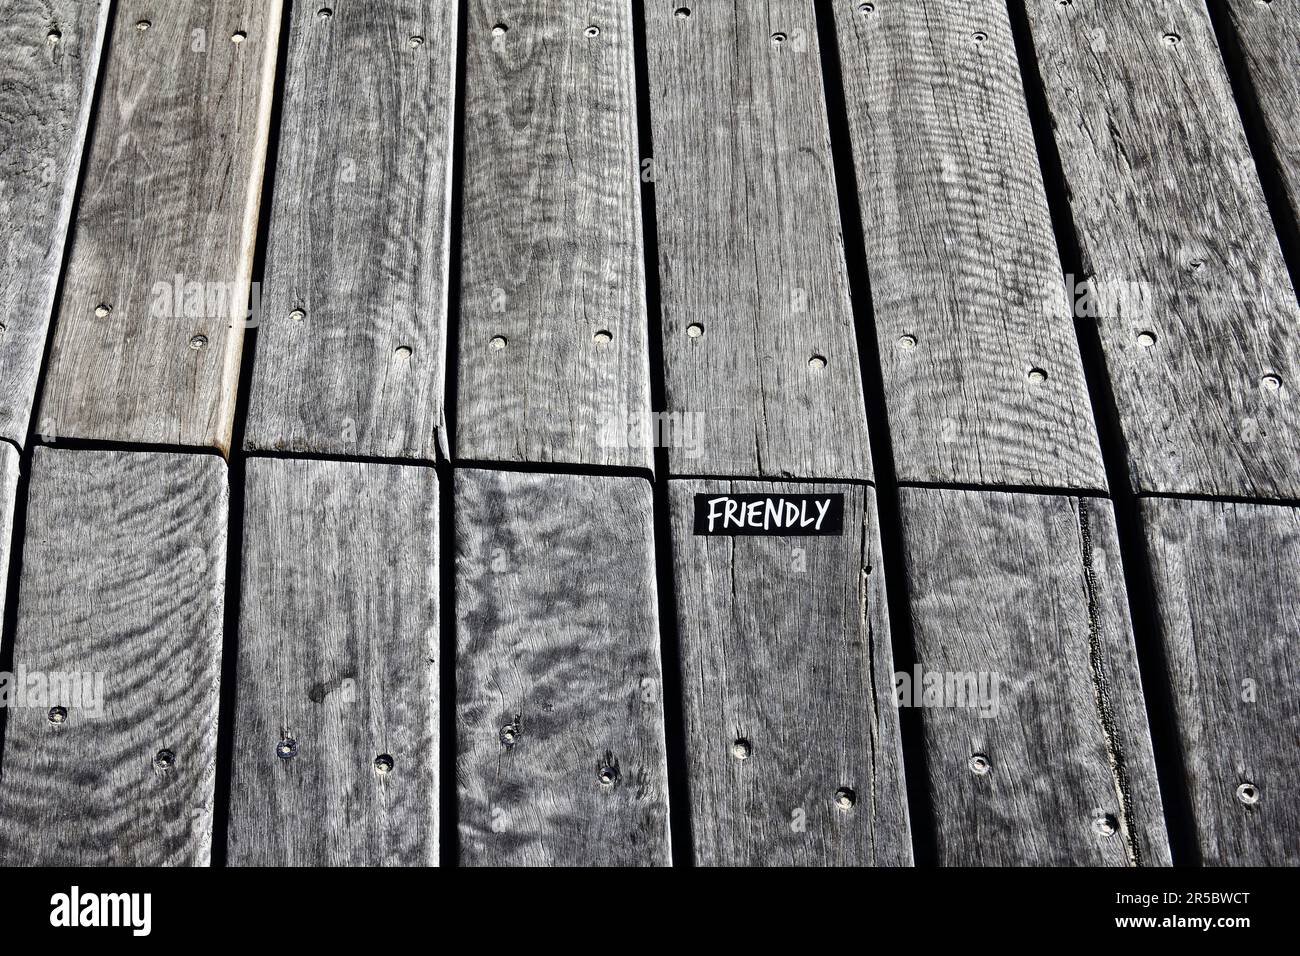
[(122, 595), (561, 755), (1197, 315), (966, 280), (1056, 767), (1268, 38), (1226, 578), (47, 84), (553, 351), (338, 667), (787, 675), (8, 489), (758, 333), (352, 347), (155, 297)]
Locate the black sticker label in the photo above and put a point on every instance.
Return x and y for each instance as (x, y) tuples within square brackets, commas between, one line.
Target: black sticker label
[(776, 515)]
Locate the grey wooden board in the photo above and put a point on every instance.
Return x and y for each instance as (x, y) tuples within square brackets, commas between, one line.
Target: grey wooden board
[(1031, 589), (1176, 234), (557, 638), (338, 652), (124, 573), (8, 489), (47, 83), (165, 227), (1226, 578), (1268, 35), (966, 281), (785, 646), (352, 344), (552, 252), (750, 244)]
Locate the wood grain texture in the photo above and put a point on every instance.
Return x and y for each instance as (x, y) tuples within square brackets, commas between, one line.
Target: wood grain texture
[(338, 652), (750, 244), (1267, 35), (1178, 242), (1226, 578), (352, 347), (47, 82), (1030, 589), (552, 260), (966, 282), (165, 227), (124, 572), (8, 490), (558, 675), (786, 651)]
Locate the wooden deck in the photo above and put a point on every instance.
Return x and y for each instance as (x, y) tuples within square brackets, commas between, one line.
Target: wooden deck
[(364, 368)]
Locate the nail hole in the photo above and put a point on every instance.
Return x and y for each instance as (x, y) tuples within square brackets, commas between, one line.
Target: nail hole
[(1196, 265), (164, 760), (740, 749), (324, 13), (1271, 383), (1172, 39), (102, 310), (592, 31), (1065, 3), (1146, 338), (845, 798), (416, 42), (778, 38), (695, 330), (402, 352), (1248, 794), (866, 9), (509, 735), (603, 337), (907, 341), (383, 764), (979, 764), (1037, 376), (143, 25), (297, 315), (287, 749), (499, 30), (1106, 825), (498, 342), (53, 37), (57, 715), (199, 342), (817, 361), (979, 36), (681, 13), (607, 775), (239, 36)]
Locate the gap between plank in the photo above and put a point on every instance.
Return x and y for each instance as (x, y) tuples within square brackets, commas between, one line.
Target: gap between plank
[(888, 515)]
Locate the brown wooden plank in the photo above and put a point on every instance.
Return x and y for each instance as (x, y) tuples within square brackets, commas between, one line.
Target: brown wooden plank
[(1057, 769), (792, 734), (338, 667), (122, 595), (1196, 312), (758, 333), (983, 380), (155, 297), (352, 347), (47, 83), (554, 341), (559, 686), (1226, 578)]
